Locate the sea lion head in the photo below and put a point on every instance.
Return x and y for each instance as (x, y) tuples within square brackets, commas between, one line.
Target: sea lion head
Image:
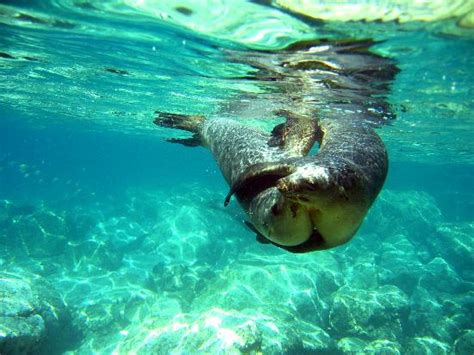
[(334, 200), (310, 208), (280, 220)]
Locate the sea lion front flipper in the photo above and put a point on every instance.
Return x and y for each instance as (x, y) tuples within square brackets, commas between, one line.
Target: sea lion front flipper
[(298, 134), (261, 239), (257, 178), (194, 141)]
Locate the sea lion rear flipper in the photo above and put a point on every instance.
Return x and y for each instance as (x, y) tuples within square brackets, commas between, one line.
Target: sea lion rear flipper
[(257, 178), (298, 134), (190, 123)]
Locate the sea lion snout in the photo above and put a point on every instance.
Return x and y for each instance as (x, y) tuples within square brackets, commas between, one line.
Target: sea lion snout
[(280, 220)]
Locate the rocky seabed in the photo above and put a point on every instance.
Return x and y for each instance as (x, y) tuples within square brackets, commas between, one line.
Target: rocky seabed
[(175, 273)]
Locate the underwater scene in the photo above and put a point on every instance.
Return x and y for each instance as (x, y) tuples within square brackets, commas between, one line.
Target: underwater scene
[(125, 124)]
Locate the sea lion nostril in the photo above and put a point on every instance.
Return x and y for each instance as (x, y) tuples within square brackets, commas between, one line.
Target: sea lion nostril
[(276, 210)]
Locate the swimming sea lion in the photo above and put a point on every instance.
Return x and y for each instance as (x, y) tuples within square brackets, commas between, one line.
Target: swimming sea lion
[(297, 201)]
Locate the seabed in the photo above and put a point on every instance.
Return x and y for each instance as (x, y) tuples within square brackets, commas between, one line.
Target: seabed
[(109, 280)]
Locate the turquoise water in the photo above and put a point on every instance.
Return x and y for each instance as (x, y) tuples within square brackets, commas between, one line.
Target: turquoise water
[(112, 239)]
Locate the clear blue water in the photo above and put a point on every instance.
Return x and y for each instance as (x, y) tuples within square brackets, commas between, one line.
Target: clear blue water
[(131, 232)]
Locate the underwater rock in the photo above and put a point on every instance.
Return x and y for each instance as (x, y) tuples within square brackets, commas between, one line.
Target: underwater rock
[(362, 272), (465, 343), (212, 332), (33, 317), (455, 244), (279, 282), (328, 273), (438, 276), (313, 339), (216, 331), (144, 205), (95, 255), (8, 210), (41, 234), (21, 330), (440, 315), (184, 281), (79, 225), (120, 233), (370, 314), (351, 345), (400, 263), (382, 347), (111, 318), (410, 213), (426, 345), (183, 235), (107, 243), (156, 283), (247, 307), (416, 216)]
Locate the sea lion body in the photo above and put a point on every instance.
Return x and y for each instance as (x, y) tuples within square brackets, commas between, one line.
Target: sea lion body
[(296, 201)]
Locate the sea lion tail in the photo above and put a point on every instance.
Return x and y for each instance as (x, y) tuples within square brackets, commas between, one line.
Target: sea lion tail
[(189, 123)]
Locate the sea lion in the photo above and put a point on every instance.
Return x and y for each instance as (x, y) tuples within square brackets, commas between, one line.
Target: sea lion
[(295, 201), (331, 93)]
